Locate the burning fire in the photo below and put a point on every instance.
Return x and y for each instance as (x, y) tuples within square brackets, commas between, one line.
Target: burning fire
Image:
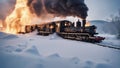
[(87, 23), (20, 17), (1, 25)]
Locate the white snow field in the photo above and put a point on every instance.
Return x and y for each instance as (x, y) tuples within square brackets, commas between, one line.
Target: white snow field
[(32, 51), (109, 31)]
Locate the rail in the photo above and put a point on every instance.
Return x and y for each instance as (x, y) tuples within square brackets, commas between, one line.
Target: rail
[(112, 47)]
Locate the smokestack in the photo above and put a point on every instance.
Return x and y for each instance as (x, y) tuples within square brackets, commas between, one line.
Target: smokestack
[(78, 24), (84, 23)]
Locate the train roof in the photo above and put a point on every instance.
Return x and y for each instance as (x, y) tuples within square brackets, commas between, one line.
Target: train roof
[(52, 22)]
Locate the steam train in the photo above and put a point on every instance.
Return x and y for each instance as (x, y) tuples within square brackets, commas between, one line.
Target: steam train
[(67, 30)]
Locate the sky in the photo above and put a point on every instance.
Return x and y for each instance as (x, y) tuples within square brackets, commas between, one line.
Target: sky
[(102, 9)]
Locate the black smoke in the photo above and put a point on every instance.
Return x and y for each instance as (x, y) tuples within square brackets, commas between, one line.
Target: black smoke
[(35, 6), (59, 7)]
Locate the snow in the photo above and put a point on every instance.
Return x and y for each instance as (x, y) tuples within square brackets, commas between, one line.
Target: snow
[(6, 36), (105, 27), (111, 40), (109, 31), (33, 51)]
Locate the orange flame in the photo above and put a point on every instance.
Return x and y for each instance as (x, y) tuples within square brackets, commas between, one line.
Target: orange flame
[(1, 25), (87, 23), (20, 17)]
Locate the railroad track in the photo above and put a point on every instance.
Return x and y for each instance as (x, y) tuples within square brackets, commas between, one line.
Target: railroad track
[(112, 47), (99, 44)]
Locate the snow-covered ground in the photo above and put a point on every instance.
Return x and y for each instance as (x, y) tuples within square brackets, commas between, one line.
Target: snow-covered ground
[(32, 51), (109, 31), (111, 40)]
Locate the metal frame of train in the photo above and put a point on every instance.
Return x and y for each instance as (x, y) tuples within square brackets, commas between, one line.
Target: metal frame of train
[(67, 30)]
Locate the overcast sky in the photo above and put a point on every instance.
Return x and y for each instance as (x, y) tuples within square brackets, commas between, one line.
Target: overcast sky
[(102, 9)]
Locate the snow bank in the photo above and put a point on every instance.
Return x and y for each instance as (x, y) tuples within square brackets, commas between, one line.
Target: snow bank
[(110, 40), (7, 36), (32, 51), (20, 61), (109, 32)]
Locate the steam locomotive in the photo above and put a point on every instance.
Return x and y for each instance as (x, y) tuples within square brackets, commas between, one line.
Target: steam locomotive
[(67, 30)]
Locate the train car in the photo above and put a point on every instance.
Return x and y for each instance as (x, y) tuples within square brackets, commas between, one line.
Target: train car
[(46, 29), (30, 28), (67, 30)]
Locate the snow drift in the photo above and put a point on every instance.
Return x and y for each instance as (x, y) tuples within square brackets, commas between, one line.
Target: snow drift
[(32, 51), (109, 31)]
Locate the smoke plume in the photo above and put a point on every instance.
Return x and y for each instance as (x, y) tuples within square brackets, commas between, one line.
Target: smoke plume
[(6, 7), (57, 8)]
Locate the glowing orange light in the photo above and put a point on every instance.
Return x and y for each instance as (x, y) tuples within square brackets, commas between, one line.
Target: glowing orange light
[(20, 17), (1, 25), (87, 24)]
